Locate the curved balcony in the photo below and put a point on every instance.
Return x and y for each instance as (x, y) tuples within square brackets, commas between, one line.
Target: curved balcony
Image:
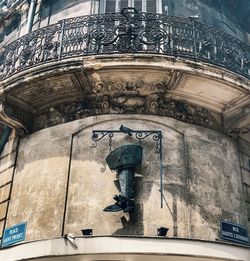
[(126, 32)]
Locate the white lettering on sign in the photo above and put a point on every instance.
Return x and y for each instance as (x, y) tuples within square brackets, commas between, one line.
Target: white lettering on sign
[(7, 239), (13, 231), (20, 235), (14, 234), (241, 237), (236, 236), (236, 229), (228, 234)]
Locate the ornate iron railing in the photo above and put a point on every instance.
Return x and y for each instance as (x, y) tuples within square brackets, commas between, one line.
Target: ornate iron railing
[(126, 32)]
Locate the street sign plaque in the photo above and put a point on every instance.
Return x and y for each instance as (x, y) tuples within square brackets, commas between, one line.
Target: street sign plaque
[(14, 234), (234, 232)]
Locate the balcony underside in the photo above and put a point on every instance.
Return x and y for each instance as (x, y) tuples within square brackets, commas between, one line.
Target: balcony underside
[(63, 91)]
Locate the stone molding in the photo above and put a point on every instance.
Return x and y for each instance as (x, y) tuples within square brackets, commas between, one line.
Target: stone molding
[(121, 85), (118, 248), (237, 121), (15, 116)]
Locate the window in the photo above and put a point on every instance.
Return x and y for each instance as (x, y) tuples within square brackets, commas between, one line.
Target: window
[(47, 9), (109, 6)]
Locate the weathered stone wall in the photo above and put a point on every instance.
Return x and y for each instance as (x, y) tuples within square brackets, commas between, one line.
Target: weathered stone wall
[(244, 148), (40, 183), (202, 181), (7, 168)]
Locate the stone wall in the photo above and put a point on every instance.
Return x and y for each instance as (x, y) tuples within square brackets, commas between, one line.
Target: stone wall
[(244, 148), (7, 169), (202, 181)]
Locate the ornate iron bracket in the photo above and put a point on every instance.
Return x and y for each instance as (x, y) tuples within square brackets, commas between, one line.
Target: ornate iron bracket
[(140, 135)]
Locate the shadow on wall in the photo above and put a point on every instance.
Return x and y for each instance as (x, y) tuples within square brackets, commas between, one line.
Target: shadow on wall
[(179, 192), (132, 222)]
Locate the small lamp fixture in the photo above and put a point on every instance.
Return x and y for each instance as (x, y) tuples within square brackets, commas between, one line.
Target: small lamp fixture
[(162, 231), (87, 232)]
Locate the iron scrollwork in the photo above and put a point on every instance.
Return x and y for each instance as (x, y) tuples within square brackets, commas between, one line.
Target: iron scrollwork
[(156, 137), (126, 32), (97, 136)]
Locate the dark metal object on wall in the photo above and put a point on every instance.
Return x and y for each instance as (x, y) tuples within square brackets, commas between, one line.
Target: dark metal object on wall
[(162, 231), (126, 32), (87, 232), (140, 135), (124, 160)]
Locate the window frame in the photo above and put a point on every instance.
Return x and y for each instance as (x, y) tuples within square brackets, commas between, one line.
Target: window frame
[(102, 5)]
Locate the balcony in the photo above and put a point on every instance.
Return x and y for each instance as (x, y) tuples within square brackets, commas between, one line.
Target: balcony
[(123, 33), (128, 62)]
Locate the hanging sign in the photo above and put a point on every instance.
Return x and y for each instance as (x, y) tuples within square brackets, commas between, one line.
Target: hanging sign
[(14, 234), (234, 232)]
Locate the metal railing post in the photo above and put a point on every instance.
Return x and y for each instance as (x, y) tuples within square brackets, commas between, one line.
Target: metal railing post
[(194, 37), (61, 40)]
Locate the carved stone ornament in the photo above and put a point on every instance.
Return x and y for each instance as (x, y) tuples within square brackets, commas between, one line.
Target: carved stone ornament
[(153, 104), (140, 87)]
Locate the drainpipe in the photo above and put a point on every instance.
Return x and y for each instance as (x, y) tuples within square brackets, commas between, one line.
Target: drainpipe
[(5, 137), (31, 15)]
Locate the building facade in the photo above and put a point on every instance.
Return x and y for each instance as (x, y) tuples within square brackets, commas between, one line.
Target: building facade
[(147, 100)]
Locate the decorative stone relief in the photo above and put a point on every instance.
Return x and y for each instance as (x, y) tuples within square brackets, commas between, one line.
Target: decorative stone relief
[(154, 104), (139, 87)]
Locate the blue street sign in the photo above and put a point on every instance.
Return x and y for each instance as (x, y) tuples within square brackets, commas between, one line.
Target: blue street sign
[(14, 234), (233, 232)]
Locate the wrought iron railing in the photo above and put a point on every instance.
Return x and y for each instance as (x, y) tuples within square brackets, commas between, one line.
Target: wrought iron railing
[(126, 32)]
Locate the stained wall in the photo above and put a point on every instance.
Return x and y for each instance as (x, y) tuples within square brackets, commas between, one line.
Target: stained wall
[(202, 181)]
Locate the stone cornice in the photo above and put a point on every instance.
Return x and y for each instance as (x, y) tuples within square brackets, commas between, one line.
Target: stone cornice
[(58, 92)]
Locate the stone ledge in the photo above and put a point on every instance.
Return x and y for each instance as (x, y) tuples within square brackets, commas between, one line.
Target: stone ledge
[(123, 248)]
